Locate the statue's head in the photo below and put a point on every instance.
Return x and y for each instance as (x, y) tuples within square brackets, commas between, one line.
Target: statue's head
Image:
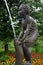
[(24, 10)]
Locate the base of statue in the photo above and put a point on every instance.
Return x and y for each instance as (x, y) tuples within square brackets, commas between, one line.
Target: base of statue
[(26, 63)]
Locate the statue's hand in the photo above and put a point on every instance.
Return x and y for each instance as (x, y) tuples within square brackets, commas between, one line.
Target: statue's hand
[(18, 42), (21, 40)]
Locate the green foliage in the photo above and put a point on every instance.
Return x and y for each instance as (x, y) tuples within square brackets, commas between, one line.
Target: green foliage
[(6, 32), (38, 14), (5, 25), (3, 58), (38, 47)]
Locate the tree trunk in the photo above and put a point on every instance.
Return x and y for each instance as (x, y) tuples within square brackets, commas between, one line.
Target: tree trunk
[(22, 53), (6, 47), (19, 53)]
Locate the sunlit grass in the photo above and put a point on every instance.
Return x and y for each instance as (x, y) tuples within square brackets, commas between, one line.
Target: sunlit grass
[(38, 47)]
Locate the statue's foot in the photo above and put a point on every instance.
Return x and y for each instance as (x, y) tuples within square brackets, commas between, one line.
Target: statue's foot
[(27, 63)]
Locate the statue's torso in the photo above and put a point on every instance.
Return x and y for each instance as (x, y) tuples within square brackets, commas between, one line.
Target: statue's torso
[(29, 21), (33, 32)]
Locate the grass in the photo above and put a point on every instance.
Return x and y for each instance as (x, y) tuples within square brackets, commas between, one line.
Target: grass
[(38, 47)]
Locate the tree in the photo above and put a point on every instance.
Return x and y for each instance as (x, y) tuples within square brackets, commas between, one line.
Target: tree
[(37, 10), (5, 26), (6, 32)]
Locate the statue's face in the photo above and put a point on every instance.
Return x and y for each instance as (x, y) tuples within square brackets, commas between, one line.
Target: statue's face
[(21, 11)]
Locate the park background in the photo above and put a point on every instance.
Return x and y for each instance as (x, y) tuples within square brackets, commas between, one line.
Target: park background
[(6, 32)]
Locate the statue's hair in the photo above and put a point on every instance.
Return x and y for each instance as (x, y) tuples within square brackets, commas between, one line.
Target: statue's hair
[(26, 8)]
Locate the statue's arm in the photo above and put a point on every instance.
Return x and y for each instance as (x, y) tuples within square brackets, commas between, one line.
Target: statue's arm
[(27, 31), (32, 25), (21, 34)]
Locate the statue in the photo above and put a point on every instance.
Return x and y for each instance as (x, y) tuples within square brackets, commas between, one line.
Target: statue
[(27, 36)]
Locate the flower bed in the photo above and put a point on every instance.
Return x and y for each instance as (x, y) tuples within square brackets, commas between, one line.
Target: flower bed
[(37, 59)]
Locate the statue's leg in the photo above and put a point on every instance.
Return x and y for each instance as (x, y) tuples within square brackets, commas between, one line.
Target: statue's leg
[(21, 53), (27, 54)]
